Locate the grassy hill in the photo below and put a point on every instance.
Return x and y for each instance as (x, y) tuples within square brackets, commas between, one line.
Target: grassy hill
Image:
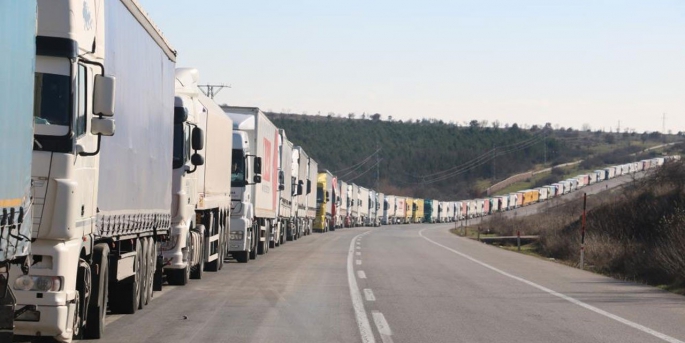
[(432, 159)]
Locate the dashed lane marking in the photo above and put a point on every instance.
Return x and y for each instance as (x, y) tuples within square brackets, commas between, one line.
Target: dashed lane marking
[(357, 303), (368, 294), (382, 326), (361, 274)]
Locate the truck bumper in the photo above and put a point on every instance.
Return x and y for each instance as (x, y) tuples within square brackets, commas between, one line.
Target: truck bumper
[(239, 225), (52, 321), (177, 257)]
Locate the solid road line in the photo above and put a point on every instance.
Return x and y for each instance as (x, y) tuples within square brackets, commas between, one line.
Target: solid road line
[(622, 320), (382, 326), (357, 301)]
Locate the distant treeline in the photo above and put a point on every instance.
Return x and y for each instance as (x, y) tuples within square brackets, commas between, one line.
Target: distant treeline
[(429, 158)]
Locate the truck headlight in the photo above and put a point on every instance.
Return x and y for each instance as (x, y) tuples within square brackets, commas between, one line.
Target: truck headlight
[(38, 283), (170, 244), (236, 235)]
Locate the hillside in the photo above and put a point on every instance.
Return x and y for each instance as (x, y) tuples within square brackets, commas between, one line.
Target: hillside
[(432, 159)]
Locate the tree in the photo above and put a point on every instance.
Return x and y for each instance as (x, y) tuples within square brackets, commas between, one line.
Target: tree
[(474, 124), (496, 124), (609, 138), (389, 118), (351, 115), (587, 127), (376, 117)]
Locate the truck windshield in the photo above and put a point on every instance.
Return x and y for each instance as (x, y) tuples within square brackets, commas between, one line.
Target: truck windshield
[(319, 195), (238, 169), (51, 99)]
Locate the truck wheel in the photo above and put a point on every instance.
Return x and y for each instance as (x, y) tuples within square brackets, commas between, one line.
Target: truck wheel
[(145, 250), (151, 268), (196, 270), (263, 247), (178, 277), (241, 256), (97, 310), (83, 291), (124, 295)]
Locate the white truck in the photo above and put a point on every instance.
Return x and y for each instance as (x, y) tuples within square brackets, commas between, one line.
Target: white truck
[(304, 186), (311, 193), (285, 224), (389, 208), (201, 184), (364, 207), (17, 66), (343, 204), (380, 200), (353, 195), (101, 204), (254, 185)]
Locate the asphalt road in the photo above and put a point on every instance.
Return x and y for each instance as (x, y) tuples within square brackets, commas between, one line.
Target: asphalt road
[(404, 283)]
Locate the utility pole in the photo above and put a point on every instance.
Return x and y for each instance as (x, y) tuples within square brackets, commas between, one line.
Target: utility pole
[(663, 127), (378, 164), (544, 141), (494, 171), (212, 90)]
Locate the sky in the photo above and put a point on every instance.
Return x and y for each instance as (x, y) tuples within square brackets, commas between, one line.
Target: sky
[(569, 63)]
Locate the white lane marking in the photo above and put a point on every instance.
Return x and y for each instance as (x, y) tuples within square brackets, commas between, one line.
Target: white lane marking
[(359, 262), (382, 326), (358, 253), (358, 247), (357, 302), (361, 274), (368, 294), (562, 296)]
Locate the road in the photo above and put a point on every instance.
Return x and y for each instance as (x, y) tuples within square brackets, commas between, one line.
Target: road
[(402, 283)]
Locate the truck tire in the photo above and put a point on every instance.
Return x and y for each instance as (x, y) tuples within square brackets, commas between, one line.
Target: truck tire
[(144, 261), (83, 291), (263, 247), (196, 270), (241, 256), (151, 268), (97, 310), (255, 242), (124, 295)]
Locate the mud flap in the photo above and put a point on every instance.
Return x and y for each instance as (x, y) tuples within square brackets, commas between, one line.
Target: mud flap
[(7, 304)]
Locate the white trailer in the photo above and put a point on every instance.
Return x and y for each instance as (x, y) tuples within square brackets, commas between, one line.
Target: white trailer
[(101, 204), (380, 199), (354, 205), (17, 67), (254, 182), (543, 194), (201, 185)]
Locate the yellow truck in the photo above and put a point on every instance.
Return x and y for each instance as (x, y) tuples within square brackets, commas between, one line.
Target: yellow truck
[(417, 212), (324, 203)]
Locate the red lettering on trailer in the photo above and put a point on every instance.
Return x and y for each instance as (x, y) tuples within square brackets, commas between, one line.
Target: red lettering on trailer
[(266, 172)]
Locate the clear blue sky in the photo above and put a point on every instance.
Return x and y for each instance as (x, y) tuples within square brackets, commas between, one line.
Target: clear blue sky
[(564, 62)]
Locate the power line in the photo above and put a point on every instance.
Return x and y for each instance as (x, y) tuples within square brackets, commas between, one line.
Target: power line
[(366, 171), (357, 165)]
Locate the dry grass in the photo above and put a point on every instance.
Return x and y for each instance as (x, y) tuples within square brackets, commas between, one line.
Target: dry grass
[(635, 233)]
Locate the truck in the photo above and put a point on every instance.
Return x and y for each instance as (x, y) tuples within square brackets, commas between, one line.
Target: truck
[(353, 204), (201, 183), (389, 209), (408, 210), (312, 194), (18, 37), (102, 201), (363, 201), (417, 211), (325, 207), (284, 227), (304, 188), (380, 200), (429, 212), (401, 209), (343, 204), (254, 184)]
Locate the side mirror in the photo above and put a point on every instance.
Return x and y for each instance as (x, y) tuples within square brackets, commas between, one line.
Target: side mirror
[(197, 159), (103, 95), (102, 126), (327, 195), (257, 166), (281, 180), (309, 186), (198, 139), (257, 179)]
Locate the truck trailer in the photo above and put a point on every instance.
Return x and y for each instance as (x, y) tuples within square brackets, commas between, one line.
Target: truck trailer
[(102, 204), (17, 68), (325, 196)]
